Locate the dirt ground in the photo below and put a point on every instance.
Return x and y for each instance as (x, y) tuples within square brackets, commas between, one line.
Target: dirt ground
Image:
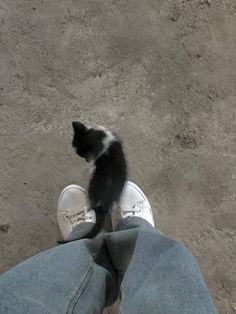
[(162, 74)]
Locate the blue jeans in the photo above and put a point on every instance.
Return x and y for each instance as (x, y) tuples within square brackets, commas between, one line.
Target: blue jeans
[(150, 272)]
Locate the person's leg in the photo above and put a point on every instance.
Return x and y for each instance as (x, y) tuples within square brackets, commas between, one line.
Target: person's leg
[(162, 276), (66, 279), (159, 274)]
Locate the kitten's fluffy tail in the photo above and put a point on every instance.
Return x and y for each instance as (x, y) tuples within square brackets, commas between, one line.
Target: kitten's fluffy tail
[(100, 217)]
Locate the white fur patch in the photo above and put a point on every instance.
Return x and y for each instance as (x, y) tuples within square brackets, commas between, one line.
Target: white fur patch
[(108, 139), (92, 168)]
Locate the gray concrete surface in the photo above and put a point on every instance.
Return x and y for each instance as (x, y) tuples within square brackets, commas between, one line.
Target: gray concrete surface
[(162, 74)]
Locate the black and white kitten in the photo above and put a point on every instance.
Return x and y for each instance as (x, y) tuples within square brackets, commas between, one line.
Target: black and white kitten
[(104, 150)]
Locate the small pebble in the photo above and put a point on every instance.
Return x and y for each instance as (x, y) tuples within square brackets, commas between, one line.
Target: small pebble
[(174, 18), (234, 306), (208, 2), (4, 227), (175, 15)]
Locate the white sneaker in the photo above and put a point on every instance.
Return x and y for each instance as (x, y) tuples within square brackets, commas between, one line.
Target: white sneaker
[(72, 209), (133, 203)]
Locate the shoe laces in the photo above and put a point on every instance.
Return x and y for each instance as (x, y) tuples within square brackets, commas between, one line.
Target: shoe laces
[(76, 215), (137, 207)]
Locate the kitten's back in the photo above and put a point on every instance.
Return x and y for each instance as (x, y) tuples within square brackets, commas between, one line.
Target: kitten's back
[(109, 177)]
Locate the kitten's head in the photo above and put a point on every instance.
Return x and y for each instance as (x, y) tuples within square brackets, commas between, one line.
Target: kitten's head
[(88, 142)]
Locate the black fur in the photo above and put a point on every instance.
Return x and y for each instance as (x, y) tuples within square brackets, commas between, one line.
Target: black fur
[(109, 176)]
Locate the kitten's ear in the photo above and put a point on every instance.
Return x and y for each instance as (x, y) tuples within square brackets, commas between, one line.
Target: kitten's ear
[(79, 127)]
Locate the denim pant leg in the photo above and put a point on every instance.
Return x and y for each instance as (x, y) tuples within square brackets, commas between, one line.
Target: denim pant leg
[(157, 275), (65, 279), (160, 275)]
